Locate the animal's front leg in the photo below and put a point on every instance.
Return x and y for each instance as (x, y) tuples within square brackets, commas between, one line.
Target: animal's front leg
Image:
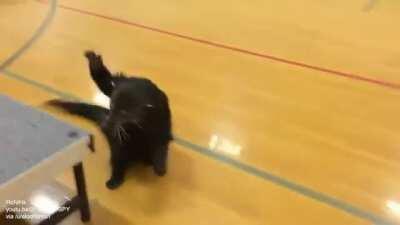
[(118, 162), (159, 160), (117, 174), (99, 72)]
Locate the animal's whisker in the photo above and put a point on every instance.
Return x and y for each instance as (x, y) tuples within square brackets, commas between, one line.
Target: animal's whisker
[(125, 134), (137, 124), (114, 132), (118, 134)]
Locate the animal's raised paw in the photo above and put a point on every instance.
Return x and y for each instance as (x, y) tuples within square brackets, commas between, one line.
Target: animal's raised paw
[(90, 54), (95, 60)]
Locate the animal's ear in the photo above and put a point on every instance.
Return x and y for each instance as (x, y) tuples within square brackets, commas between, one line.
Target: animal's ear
[(120, 75)]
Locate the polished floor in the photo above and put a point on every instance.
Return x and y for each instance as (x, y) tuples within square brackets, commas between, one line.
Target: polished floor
[(285, 112)]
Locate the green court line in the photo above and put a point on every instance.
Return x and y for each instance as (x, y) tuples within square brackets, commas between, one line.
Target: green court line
[(36, 35), (248, 169)]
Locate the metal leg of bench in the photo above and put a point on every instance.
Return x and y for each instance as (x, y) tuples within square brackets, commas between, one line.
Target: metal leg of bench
[(82, 194), (79, 202)]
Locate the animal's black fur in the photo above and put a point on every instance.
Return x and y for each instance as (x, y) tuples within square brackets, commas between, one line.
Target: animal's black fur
[(137, 125)]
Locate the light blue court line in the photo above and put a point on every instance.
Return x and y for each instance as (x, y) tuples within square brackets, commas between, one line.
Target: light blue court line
[(254, 171), (36, 35)]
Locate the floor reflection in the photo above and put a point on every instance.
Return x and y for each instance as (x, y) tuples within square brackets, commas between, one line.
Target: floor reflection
[(224, 145)]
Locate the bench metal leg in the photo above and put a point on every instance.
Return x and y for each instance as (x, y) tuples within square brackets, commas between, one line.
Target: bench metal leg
[(79, 202), (82, 194)]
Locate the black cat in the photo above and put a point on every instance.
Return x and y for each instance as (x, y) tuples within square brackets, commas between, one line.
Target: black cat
[(137, 125)]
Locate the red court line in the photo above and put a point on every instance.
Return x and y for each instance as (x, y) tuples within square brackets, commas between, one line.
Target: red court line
[(237, 49)]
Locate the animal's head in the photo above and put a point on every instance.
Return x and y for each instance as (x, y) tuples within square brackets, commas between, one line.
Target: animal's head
[(129, 105)]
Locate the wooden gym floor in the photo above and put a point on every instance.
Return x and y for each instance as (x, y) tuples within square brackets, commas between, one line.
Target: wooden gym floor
[(285, 112)]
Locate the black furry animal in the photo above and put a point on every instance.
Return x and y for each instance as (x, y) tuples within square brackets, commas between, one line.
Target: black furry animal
[(137, 125)]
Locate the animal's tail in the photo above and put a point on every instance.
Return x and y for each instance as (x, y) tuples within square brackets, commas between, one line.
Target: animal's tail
[(94, 113)]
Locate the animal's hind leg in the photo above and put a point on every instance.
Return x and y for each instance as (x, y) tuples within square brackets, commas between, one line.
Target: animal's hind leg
[(159, 160)]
